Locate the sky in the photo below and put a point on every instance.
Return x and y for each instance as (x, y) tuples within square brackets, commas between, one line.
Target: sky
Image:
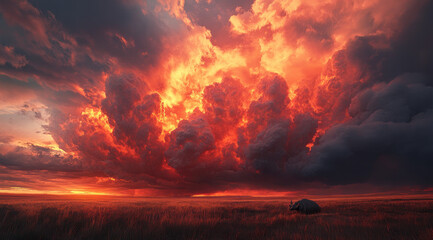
[(207, 97)]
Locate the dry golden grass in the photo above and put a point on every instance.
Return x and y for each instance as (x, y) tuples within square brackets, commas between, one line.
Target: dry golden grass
[(212, 218)]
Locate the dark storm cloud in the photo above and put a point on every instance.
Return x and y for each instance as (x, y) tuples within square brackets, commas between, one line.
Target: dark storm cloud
[(413, 51), (62, 43), (36, 157), (314, 33), (367, 60), (272, 104), (389, 97), (221, 105), (189, 143), (274, 137), (7, 56), (215, 15), (112, 28), (279, 141), (408, 50), (42, 49), (268, 150), (388, 140), (133, 148), (132, 113), (128, 107)]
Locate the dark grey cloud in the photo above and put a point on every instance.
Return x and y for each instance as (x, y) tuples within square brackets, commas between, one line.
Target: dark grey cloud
[(215, 15), (112, 28), (389, 139), (189, 143), (132, 112), (42, 49), (385, 85), (62, 44), (36, 157), (222, 107)]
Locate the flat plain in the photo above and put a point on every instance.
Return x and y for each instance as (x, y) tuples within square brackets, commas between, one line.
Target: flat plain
[(63, 217)]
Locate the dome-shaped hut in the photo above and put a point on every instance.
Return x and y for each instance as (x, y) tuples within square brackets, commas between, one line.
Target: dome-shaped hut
[(305, 206)]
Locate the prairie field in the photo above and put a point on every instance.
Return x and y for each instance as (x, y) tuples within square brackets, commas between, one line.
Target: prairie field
[(52, 217)]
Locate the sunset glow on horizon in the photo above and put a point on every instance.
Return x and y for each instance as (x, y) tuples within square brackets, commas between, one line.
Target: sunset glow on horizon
[(216, 98)]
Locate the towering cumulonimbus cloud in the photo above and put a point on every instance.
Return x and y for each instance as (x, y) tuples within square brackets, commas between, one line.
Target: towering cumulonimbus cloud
[(200, 97)]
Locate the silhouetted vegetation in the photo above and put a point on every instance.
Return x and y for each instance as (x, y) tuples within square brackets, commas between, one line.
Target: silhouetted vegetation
[(219, 218)]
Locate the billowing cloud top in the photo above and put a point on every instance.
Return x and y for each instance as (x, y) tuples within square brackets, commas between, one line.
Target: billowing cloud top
[(192, 97)]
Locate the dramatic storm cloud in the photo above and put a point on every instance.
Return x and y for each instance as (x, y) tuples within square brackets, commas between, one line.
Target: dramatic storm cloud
[(198, 97)]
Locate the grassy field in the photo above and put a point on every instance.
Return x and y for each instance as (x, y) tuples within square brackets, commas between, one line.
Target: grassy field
[(45, 217)]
